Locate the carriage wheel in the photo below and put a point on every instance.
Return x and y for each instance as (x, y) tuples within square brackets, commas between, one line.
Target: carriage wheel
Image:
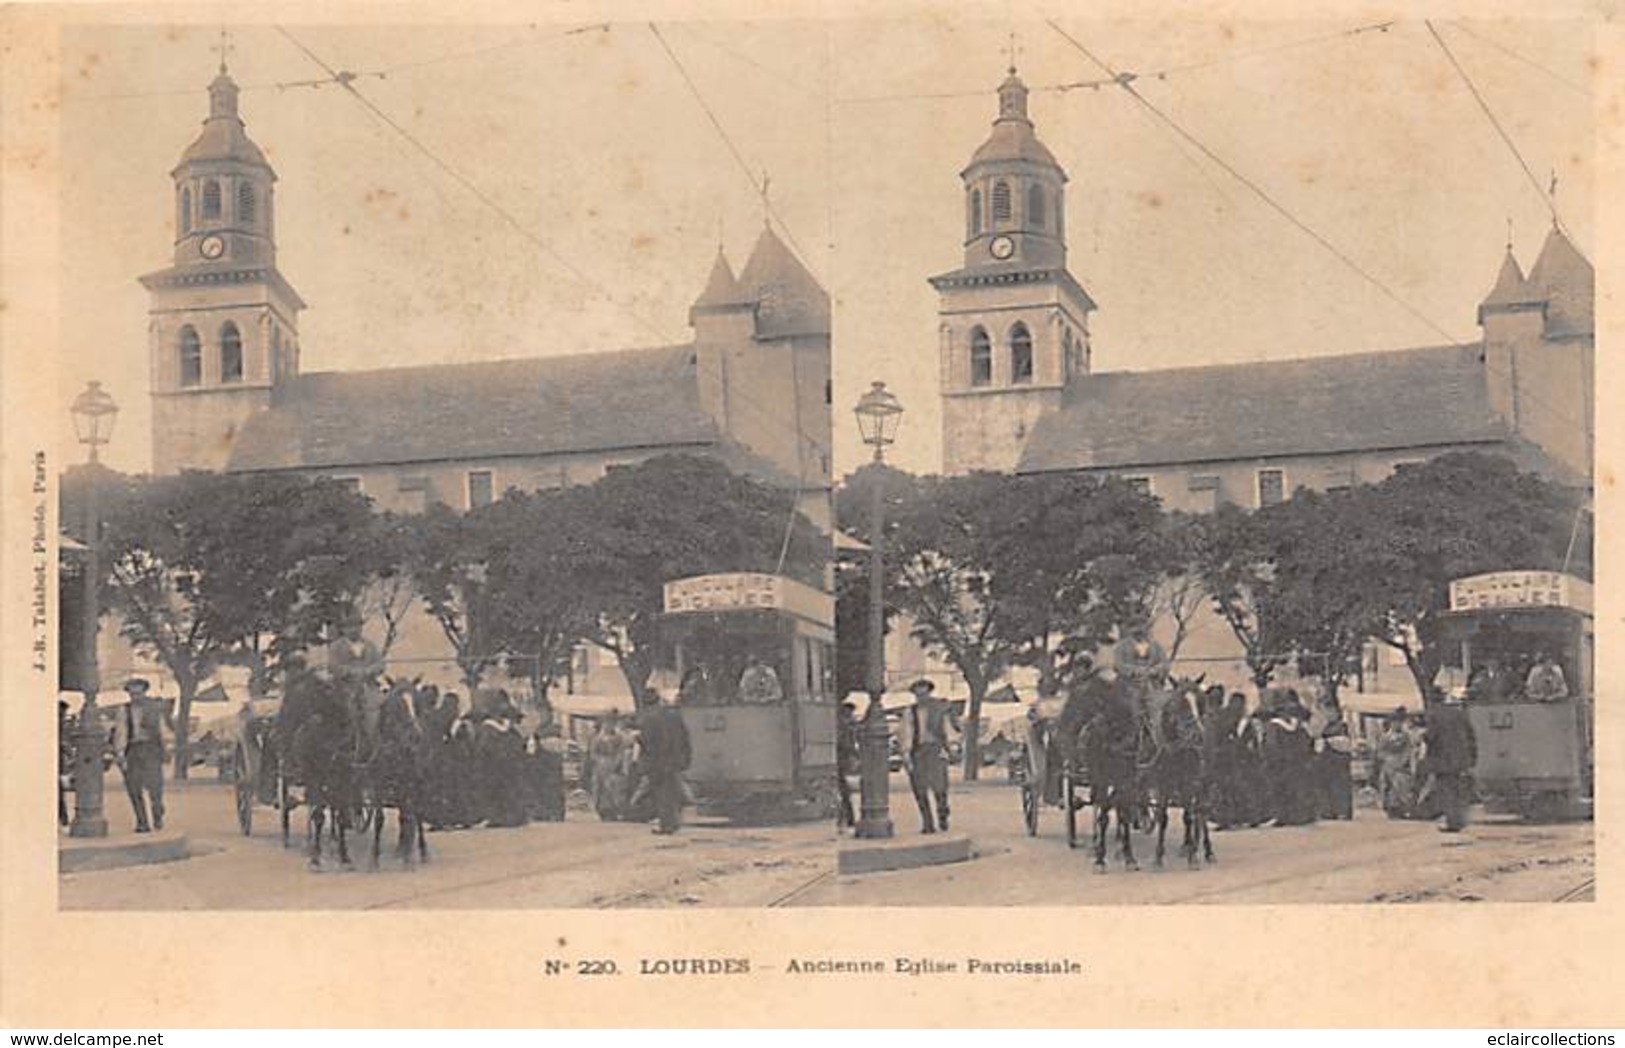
[(1070, 799), (284, 802), (243, 788), (1029, 808)]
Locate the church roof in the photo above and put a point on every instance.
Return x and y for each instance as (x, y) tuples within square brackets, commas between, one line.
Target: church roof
[(223, 136), (1511, 289), (722, 288), (789, 300), (1564, 279), (1426, 397), (641, 398)]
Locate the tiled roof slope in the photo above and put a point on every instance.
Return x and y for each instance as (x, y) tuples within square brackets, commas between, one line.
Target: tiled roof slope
[(1407, 398), (547, 405)]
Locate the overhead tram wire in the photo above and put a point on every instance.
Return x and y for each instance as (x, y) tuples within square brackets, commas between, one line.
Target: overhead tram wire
[(771, 418), (330, 81), (1156, 74), (739, 158), (1125, 80), (346, 81), (1525, 59), (1546, 198)]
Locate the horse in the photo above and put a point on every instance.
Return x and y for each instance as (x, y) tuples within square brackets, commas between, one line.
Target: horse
[(1176, 773), (318, 720), (1110, 743)]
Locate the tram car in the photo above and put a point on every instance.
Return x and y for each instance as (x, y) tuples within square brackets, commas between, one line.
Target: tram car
[(1525, 644), (753, 655)]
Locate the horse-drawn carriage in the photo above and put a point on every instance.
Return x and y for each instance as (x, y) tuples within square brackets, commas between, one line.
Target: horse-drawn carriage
[(259, 775), (330, 747), (1132, 750), (1047, 766)]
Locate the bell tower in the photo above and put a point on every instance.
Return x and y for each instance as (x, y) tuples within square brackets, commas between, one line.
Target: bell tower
[(223, 336), (1013, 322)]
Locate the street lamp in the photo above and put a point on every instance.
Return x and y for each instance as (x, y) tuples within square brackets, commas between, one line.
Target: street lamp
[(93, 414), (879, 414)]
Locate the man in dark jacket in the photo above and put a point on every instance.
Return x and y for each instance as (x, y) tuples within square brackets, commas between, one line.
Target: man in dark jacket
[(1452, 750), (666, 755)]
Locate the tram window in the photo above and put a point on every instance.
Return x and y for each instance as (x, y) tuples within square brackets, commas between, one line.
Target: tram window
[(722, 669)]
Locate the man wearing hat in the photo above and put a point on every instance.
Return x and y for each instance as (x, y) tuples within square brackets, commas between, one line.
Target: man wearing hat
[(138, 743), (924, 740)]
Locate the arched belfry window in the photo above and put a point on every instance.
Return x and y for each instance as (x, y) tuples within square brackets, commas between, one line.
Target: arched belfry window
[(186, 210), (191, 350), (1001, 201), (981, 358), (245, 203), (975, 212), (1035, 205), (211, 199), (231, 353), (1021, 354)]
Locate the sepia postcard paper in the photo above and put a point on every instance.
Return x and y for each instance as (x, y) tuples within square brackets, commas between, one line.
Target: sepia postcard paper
[(489, 411)]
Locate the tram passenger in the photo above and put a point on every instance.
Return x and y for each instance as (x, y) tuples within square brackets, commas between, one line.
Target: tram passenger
[(924, 742), (1545, 682), (759, 683)]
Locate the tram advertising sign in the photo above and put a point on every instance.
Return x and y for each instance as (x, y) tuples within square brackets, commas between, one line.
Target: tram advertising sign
[(749, 591), (1520, 589), (734, 591)]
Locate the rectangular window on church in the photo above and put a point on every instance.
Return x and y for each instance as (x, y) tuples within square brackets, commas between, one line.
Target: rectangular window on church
[(353, 483), (481, 488), (1140, 484), (1271, 487)]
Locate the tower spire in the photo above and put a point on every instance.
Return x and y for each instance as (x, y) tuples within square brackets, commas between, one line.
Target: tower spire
[(224, 47)]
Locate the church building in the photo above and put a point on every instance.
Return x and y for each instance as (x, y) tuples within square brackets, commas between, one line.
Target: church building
[(229, 392), (1019, 393)]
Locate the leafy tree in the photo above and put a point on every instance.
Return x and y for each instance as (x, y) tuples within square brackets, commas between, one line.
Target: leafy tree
[(1179, 593), (994, 571), (533, 542), (447, 554), (393, 590), (1311, 615), (1234, 553), (209, 569), (1457, 515)]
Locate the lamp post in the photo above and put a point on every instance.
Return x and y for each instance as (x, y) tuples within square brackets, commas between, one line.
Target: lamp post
[(93, 414), (879, 414)]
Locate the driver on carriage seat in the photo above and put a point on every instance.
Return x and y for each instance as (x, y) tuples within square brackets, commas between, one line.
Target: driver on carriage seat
[(1141, 663)]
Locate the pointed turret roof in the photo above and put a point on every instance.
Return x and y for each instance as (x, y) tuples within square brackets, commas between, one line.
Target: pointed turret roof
[(1511, 289), (1565, 280), (789, 300), (721, 289), (223, 137), (1013, 137)]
